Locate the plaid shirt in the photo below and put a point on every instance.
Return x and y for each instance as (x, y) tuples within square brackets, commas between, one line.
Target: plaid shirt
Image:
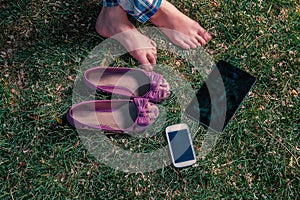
[(141, 10)]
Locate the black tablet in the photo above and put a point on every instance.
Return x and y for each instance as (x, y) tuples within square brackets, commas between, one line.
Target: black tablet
[(220, 96)]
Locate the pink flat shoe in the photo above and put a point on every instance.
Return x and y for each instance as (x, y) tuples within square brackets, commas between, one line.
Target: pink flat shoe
[(113, 115), (128, 82)]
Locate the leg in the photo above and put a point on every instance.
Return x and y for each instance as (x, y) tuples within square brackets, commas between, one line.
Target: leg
[(113, 22), (187, 32), (180, 29), (141, 10)]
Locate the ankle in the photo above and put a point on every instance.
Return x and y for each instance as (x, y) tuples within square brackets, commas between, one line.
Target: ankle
[(114, 13), (111, 21), (163, 12)]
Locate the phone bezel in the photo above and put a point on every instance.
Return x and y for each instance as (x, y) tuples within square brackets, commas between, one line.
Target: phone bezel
[(178, 127)]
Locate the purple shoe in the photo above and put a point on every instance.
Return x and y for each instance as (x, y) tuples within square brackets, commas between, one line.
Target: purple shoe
[(128, 82), (113, 115)]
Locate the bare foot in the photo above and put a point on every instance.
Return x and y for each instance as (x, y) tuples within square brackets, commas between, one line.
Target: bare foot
[(179, 28), (113, 22)]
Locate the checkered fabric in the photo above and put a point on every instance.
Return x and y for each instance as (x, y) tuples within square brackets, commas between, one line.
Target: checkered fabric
[(141, 10)]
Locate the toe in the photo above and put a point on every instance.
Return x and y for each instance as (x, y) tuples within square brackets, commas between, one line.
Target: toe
[(184, 45), (154, 53), (204, 34), (181, 42), (145, 63), (153, 43), (201, 40), (147, 59), (196, 42), (191, 44), (143, 60), (151, 58), (148, 68)]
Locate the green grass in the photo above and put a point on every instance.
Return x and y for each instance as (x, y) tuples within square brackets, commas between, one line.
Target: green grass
[(44, 42)]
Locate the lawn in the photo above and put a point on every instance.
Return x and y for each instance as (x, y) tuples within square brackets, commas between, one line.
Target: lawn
[(44, 43)]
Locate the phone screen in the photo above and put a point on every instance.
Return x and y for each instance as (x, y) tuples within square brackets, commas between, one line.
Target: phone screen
[(222, 93), (181, 146)]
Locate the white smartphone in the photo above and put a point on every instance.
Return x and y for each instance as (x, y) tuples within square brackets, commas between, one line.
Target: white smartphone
[(180, 145)]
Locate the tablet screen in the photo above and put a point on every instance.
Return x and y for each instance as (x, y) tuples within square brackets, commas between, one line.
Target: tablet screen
[(220, 96)]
